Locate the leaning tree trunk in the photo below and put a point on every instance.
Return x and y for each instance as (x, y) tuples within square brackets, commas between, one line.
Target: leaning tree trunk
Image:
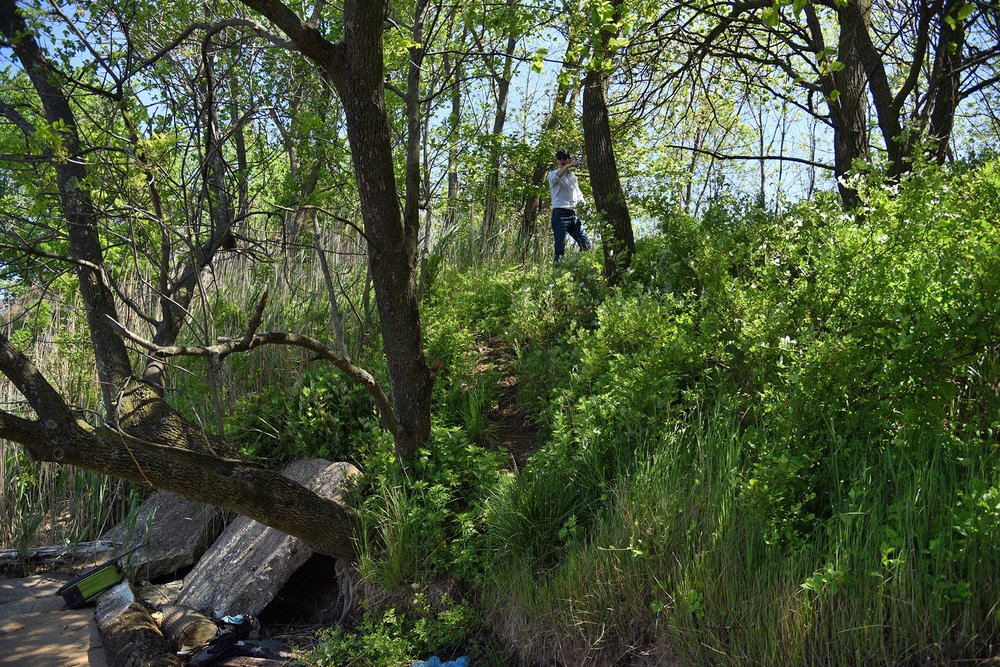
[(168, 462), (609, 198), (114, 368), (356, 68)]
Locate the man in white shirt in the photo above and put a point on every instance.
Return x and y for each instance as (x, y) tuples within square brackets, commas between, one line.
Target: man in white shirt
[(565, 196)]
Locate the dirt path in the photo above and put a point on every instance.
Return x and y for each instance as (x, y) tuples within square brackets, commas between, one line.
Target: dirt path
[(511, 427), (37, 629)]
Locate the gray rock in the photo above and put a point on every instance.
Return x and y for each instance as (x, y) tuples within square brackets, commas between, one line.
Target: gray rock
[(175, 533), (250, 562)]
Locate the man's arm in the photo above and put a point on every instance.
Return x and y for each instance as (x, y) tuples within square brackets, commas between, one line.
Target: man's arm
[(563, 170)]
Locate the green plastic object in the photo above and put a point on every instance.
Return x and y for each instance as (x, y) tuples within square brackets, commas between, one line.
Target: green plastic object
[(84, 589)]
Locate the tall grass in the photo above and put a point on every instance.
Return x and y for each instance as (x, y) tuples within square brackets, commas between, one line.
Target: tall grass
[(461, 245), (45, 503), (777, 458), (677, 565), (55, 504)]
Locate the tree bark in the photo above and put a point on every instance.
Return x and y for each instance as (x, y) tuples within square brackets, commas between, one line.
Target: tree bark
[(946, 79), (846, 96), (457, 73), (609, 198), (392, 239), (849, 113), (356, 69), (496, 138)]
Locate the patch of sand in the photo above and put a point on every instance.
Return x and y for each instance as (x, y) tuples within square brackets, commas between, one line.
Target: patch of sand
[(36, 628)]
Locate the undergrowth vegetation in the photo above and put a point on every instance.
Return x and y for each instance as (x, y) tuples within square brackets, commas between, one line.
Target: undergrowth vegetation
[(775, 442)]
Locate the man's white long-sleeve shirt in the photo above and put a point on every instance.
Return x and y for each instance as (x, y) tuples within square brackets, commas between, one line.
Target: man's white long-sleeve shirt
[(565, 189)]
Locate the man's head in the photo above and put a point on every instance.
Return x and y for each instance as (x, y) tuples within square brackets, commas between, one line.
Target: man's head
[(562, 155)]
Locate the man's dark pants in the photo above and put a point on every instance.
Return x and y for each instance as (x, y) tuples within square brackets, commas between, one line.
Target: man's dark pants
[(565, 221)]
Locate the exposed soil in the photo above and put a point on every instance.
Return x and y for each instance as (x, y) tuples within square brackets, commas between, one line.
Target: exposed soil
[(511, 426)]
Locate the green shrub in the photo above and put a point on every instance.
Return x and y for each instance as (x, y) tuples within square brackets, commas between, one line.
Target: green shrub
[(776, 443), (426, 521), (392, 638), (321, 415)]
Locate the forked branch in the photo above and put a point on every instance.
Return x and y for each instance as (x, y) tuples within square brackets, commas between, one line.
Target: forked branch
[(253, 339)]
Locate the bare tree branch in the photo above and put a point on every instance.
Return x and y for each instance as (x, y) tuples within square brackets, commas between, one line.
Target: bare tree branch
[(15, 117), (43, 398), (213, 28), (253, 340), (755, 158)]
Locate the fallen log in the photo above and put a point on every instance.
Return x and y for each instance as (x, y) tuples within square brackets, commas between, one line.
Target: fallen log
[(173, 533), (56, 553), (130, 635), (246, 567), (187, 628)]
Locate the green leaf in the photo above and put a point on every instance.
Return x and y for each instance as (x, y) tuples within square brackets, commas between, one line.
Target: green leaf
[(538, 60), (770, 16), (798, 6), (836, 66), (965, 10)]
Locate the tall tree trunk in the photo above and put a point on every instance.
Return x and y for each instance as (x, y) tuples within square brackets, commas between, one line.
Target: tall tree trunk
[(496, 139), (356, 69), (846, 95), (214, 169), (411, 207), (392, 237), (946, 78), (425, 251), (849, 113), (454, 121), (853, 18), (609, 198)]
